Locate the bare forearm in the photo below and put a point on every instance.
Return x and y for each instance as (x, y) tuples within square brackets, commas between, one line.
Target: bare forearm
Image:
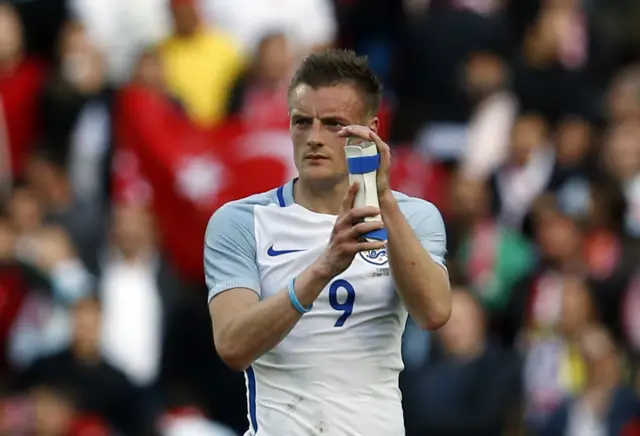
[(260, 327), (421, 283)]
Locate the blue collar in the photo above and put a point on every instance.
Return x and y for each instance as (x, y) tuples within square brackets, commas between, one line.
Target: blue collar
[(285, 193)]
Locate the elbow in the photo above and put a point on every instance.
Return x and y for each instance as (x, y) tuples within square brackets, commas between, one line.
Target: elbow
[(434, 323), (232, 355), (436, 317)]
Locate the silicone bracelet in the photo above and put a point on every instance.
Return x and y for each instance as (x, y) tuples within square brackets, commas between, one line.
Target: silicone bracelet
[(294, 299)]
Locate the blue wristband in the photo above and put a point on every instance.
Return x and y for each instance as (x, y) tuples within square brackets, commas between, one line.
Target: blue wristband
[(294, 299)]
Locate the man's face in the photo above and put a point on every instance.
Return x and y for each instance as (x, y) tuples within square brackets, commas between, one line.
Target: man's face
[(10, 33), (527, 136), (465, 329), (185, 17), (275, 59), (317, 115)]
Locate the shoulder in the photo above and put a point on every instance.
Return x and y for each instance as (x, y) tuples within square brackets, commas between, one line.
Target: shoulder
[(413, 207), (114, 376), (241, 212)]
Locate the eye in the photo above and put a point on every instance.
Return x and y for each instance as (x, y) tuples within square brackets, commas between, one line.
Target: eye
[(334, 124), (302, 121)]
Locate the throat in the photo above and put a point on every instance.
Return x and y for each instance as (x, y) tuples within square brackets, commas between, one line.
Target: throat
[(320, 198)]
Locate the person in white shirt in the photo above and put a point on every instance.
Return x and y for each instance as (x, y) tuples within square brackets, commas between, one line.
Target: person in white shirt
[(309, 310)]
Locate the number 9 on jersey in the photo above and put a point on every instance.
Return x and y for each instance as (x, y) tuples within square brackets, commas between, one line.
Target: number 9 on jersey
[(348, 297)]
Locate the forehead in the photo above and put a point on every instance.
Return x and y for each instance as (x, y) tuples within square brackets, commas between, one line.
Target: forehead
[(329, 101)]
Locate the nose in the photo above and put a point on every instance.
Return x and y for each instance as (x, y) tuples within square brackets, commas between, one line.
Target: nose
[(315, 135)]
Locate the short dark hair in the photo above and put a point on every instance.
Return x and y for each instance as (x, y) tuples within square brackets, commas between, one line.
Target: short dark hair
[(334, 67)]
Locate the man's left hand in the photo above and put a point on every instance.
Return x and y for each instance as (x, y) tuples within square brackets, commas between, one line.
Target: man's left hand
[(367, 134)]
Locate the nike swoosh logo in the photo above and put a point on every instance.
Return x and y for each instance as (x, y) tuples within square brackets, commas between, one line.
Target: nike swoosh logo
[(273, 252)]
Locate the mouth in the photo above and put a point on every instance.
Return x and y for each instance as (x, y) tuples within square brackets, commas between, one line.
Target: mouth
[(315, 157)]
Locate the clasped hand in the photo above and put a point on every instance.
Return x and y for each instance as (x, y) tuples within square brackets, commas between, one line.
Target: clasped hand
[(346, 237)]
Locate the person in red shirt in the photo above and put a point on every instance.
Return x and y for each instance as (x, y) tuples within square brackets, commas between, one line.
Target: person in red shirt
[(21, 79)]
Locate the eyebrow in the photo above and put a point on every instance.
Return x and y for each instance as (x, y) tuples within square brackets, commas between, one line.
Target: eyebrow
[(329, 118), (335, 119)]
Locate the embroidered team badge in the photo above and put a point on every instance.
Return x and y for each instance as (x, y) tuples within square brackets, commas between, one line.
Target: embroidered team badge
[(375, 257)]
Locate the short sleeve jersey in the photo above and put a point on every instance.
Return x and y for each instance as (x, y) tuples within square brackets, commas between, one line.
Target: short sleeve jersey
[(337, 371)]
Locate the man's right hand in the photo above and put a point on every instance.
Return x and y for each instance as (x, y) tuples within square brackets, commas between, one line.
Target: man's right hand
[(346, 239)]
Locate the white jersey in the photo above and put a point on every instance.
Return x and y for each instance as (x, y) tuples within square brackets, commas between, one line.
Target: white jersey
[(336, 372)]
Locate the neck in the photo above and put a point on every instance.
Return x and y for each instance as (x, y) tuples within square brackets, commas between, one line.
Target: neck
[(87, 354), (321, 197), (572, 264), (9, 64), (138, 253), (188, 33)]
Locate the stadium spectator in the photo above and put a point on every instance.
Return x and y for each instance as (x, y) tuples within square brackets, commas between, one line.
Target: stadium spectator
[(99, 388), (21, 77), (495, 260), (623, 103), (137, 290), (554, 368), (54, 412), (56, 279), (487, 87), (526, 171), (76, 113), (432, 107), (201, 64), (455, 395), (621, 157), (13, 290), (149, 73), (556, 55), (82, 218), (607, 405), (259, 97)]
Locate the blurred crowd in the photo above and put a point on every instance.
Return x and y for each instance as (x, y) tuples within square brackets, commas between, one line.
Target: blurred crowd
[(125, 124)]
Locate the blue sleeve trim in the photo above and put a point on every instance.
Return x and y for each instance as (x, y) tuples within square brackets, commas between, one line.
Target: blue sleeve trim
[(363, 164), (251, 388), (280, 194)]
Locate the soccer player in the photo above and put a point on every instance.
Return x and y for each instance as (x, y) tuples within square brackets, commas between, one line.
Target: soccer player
[(310, 311)]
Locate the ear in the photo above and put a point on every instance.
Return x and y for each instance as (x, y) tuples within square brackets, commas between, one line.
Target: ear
[(374, 124)]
